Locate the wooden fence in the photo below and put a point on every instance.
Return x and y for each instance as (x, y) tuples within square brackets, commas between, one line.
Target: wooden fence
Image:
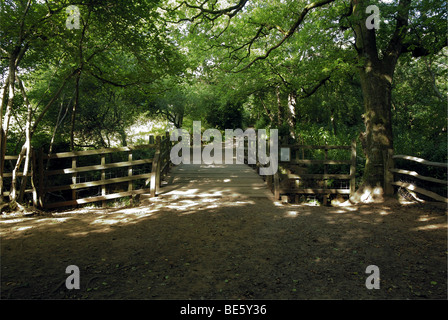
[(63, 176), (293, 174), (293, 177), (80, 177), (395, 173)]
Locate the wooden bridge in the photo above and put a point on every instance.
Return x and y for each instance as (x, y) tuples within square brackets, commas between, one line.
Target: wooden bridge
[(80, 177), (215, 180)]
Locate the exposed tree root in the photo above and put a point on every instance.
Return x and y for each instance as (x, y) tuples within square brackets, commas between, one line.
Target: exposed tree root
[(368, 194)]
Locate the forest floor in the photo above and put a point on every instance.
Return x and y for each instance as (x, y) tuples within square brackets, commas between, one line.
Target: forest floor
[(226, 248)]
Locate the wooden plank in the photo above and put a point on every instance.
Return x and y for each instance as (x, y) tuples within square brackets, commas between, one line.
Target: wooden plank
[(164, 166), (98, 151), (306, 176), (315, 191), (155, 172), (418, 176), (130, 184), (98, 183), (422, 161), (19, 174), (6, 193), (98, 167), (97, 198), (427, 193), (74, 175), (103, 177)]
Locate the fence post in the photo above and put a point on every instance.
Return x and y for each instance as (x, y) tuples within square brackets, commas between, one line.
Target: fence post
[(103, 177), (353, 168), (325, 197), (166, 147), (155, 171), (74, 176), (388, 175), (276, 186), (130, 183)]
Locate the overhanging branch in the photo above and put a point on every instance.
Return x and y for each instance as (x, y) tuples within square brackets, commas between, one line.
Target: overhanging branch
[(290, 32)]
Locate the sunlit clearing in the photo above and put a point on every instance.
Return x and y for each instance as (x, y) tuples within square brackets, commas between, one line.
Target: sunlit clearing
[(384, 213)]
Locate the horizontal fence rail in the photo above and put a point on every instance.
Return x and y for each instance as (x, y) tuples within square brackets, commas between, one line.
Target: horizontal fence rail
[(79, 177), (291, 182), (288, 180), (413, 175)]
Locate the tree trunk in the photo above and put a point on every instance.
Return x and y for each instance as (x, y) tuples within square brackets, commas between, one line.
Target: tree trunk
[(279, 107), (291, 114), (27, 142), (376, 88), (7, 117), (74, 109), (376, 83)]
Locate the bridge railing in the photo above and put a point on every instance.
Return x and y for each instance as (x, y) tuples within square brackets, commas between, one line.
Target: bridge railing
[(296, 174), (413, 181), (80, 177)]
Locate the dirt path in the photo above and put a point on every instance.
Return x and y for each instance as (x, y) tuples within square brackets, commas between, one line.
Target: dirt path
[(215, 233), (227, 248)]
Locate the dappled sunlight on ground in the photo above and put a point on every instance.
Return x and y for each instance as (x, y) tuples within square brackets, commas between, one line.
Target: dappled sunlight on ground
[(370, 213), (227, 247), (431, 227), (95, 218), (99, 219)]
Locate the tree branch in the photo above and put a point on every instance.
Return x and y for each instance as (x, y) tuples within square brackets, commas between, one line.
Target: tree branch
[(230, 11), (395, 46), (310, 92), (290, 32)]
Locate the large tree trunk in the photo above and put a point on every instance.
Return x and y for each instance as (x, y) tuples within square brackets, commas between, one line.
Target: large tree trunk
[(376, 88), (376, 83), (7, 116)]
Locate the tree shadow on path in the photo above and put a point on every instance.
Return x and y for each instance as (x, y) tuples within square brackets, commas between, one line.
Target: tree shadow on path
[(227, 248)]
